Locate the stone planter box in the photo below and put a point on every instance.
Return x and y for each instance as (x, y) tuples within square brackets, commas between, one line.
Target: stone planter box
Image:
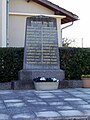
[(46, 85)]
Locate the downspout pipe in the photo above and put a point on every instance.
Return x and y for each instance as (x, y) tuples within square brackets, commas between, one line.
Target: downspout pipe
[(65, 28), (7, 23)]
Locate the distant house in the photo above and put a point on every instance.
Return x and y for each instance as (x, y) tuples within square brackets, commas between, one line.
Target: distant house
[(13, 14)]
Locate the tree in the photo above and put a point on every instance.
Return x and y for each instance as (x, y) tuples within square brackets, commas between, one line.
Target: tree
[(66, 42)]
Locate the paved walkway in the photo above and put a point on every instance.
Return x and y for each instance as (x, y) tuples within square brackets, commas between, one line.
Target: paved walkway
[(45, 105)]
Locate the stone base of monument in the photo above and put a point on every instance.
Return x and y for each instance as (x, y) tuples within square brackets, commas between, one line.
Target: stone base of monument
[(26, 77), (31, 74)]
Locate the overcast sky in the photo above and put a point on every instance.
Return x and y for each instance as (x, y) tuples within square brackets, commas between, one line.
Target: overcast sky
[(81, 28)]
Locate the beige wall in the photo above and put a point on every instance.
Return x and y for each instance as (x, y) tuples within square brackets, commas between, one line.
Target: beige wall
[(0, 23), (17, 23), (17, 31), (25, 7)]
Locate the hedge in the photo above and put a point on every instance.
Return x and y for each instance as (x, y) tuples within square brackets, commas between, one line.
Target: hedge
[(74, 61), (11, 61)]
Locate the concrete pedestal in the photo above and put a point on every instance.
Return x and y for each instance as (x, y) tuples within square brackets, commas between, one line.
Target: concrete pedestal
[(31, 74)]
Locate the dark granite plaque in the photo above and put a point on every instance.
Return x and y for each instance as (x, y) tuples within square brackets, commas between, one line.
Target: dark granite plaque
[(41, 43)]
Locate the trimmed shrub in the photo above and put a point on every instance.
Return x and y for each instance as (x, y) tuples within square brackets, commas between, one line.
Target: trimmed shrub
[(74, 61), (11, 61)]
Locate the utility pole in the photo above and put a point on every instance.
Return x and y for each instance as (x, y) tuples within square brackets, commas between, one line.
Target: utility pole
[(82, 42)]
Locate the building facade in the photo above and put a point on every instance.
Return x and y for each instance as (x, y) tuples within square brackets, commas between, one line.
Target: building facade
[(13, 14)]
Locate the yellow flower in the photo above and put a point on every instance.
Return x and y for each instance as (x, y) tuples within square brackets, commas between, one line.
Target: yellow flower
[(85, 76)]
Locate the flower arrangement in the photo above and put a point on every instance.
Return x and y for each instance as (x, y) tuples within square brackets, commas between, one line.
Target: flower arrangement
[(85, 76), (43, 79), (42, 83)]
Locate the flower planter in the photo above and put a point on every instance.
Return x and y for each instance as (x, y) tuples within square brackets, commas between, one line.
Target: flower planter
[(86, 82), (46, 85)]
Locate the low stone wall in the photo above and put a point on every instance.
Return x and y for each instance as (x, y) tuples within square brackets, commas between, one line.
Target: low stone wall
[(5, 86), (29, 85), (70, 84), (22, 84)]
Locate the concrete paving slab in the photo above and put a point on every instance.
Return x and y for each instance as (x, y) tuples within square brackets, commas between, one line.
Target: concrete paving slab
[(47, 96), (47, 114), (4, 117), (72, 99), (71, 113), (22, 116), (84, 106), (15, 104), (65, 107), (12, 101), (2, 106), (56, 103)]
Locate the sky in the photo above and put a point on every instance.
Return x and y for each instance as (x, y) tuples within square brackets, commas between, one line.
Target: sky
[(80, 30)]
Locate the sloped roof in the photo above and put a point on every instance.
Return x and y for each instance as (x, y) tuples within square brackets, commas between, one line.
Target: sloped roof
[(70, 17)]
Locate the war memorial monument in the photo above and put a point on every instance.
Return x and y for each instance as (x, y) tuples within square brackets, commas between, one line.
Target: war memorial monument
[(41, 53)]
